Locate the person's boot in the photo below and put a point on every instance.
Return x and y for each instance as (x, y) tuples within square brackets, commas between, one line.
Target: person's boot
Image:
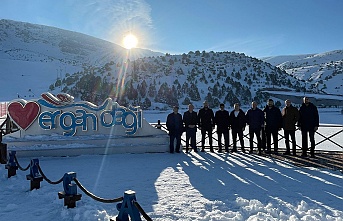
[(259, 152), (294, 150), (220, 149), (268, 150), (288, 152), (312, 153), (276, 152), (304, 154)]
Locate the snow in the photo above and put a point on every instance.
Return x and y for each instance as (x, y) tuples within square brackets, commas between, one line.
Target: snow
[(201, 186), (277, 60), (195, 186)]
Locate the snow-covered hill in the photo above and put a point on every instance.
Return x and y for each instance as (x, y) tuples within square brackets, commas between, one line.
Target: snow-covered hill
[(217, 77), (322, 73), (33, 56), (36, 58)]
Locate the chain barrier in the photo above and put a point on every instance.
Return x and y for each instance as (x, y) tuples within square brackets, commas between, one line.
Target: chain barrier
[(20, 167), (91, 195), (71, 202), (140, 209), (46, 179)]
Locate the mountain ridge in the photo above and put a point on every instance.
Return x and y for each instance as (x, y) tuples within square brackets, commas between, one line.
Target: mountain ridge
[(37, 58)]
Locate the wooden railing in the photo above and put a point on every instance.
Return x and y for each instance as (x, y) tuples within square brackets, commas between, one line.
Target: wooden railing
[(323, 138)]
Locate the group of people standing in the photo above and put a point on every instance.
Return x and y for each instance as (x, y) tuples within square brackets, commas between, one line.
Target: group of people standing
[(264, 124)]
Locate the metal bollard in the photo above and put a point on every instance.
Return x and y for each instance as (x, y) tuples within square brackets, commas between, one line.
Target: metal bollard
[(159, 126), (127, 208), (11, 165), (69, 194), (3, 153), (35, 177)]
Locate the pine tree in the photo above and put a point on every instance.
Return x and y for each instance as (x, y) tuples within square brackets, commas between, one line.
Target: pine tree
[(131, 91), (186, 101), (194, 93), (143, 89), (163, 93), (152, 90), (146, 103)]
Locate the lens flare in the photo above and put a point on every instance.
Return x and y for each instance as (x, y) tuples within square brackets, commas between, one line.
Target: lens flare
[(130, 41)]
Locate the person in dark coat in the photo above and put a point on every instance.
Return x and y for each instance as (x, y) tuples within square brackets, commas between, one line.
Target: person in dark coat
[(206, 125), (190, 118), (175, 127), (255, 120), (308, 123), (237, 123), (273, 123), (290, 116), (222, 120)]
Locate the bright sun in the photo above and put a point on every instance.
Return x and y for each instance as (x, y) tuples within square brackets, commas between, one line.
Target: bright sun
[(130, 41)]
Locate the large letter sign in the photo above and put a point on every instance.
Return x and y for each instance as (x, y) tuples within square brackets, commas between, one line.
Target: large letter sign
[(60, 114)]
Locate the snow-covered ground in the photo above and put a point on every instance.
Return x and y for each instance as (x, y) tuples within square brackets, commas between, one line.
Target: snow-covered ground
[(201, 186), (195, 186)]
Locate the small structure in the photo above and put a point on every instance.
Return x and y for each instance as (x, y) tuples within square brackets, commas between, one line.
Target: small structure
[(127, 208), (69, 194), (11, 165), (35, 177)]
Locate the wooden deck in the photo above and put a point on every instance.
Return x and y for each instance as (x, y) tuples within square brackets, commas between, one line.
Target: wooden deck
[(323, 159), (332, 160)]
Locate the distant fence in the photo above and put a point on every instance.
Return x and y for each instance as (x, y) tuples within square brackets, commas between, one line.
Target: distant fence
[(327, 137), (3, 109)]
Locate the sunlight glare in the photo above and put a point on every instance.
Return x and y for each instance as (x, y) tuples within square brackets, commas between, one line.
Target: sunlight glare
[(130, 41)]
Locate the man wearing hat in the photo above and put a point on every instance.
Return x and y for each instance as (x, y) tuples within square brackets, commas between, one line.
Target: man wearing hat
[(175, 128)]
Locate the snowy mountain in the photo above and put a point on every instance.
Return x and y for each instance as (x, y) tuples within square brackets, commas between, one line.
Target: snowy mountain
[(168, 80), (33, 56), (36, 58), (322, 73)]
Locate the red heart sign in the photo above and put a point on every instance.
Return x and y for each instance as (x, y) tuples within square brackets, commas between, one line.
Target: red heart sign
[(23, 115)]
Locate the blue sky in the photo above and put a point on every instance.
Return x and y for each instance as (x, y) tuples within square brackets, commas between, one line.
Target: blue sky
[(257, 28)]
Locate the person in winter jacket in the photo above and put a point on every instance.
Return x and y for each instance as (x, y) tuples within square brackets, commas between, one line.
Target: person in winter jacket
[(175, 127), (237, 123), (273, 123), (190, 118), (255, 120), (206, 125), (222, 120), (308, 123), (290, 116)]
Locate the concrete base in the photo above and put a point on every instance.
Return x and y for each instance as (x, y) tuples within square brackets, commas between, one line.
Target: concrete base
[(75, 147)]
